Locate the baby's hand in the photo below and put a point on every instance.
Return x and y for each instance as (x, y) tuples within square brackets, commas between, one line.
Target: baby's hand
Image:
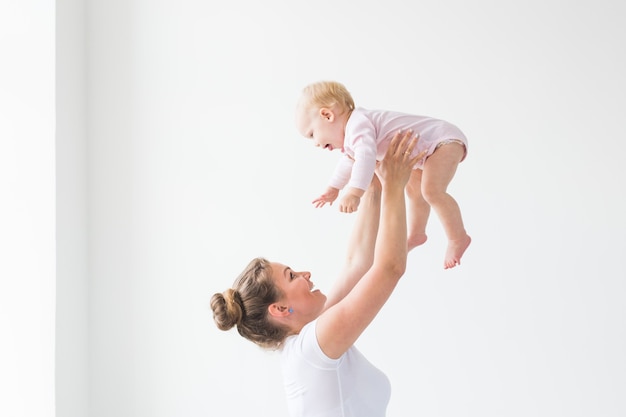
[(349, 203), (329, 196)]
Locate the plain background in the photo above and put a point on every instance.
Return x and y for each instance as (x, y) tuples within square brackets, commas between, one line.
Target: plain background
[(177, 161), (27, 208)]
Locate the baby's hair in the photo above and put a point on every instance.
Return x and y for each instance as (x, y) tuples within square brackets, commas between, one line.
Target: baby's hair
[(327, 94), (246, 306)]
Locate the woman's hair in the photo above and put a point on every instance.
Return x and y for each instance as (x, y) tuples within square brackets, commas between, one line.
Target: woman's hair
[(245, 305), (327, 94)]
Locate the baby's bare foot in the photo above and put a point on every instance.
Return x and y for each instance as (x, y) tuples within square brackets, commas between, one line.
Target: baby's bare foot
[(455, 250), (415, 240)]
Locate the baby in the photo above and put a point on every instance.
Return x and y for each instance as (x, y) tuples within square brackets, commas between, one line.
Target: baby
[(326, 114)]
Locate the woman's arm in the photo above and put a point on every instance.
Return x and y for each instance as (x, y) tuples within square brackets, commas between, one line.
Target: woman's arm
[(360, 255), (342, 323)]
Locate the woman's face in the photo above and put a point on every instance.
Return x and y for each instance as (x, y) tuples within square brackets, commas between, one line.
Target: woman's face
[(299, 293)]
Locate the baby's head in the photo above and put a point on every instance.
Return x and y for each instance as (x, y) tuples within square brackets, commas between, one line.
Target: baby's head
[(322, 113), (329, 94)]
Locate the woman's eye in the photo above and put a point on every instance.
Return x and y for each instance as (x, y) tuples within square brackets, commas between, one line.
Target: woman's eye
[(292, 275)]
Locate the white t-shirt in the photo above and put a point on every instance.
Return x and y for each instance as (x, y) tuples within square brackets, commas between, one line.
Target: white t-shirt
[(318, 386)]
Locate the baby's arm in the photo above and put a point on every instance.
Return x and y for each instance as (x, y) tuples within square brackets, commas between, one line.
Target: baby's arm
[(329, 196), (351, 199), (340, 178), (361, 174)]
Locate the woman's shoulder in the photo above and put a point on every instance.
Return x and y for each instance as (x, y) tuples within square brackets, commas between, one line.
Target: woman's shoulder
[(304, 345), (306, 333)]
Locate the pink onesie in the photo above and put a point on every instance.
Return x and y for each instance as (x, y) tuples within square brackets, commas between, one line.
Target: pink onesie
[(367, 136)]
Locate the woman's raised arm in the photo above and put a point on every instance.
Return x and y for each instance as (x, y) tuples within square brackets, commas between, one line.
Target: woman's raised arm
[(343, 322), (360, 254)]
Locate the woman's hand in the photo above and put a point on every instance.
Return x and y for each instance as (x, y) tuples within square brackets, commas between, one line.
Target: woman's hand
[(397, 164)]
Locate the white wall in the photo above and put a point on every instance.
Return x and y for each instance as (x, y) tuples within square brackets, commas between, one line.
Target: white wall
[(194, 167), (72, 352), (27, 209)]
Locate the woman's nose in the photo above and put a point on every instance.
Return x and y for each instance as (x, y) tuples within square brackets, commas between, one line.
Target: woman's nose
[(304, 274)]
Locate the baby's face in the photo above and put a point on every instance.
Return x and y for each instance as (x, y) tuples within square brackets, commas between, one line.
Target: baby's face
[(321, 126)]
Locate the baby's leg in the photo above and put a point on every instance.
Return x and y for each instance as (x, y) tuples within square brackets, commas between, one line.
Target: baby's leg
[(417, 211), (439, 169)]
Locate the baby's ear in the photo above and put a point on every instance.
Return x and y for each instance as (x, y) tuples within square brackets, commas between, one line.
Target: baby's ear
[(327, 114)]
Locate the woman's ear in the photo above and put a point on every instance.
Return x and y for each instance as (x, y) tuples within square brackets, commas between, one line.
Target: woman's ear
[(327, 114), (277, 310)]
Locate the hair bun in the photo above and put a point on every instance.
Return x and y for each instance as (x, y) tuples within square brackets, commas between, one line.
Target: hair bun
[(227, 309)]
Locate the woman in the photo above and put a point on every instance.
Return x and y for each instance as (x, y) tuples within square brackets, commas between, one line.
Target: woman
[(278, 308)]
